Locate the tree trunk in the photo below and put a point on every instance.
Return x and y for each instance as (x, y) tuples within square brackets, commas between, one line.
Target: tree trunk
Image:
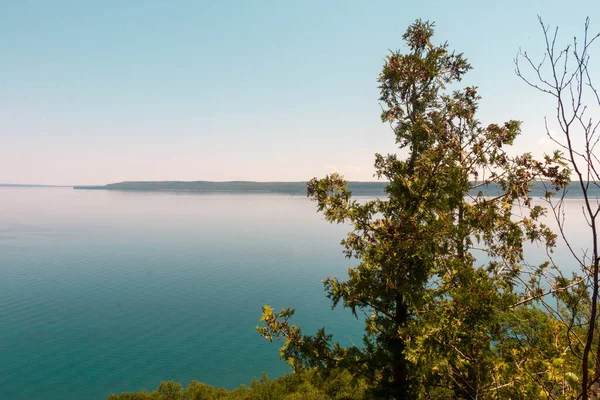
[(399, 385)]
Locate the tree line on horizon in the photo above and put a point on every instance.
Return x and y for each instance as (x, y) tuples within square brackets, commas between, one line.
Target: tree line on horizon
[(572, 190)]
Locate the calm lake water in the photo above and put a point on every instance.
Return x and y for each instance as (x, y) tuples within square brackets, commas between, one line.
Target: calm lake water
[(106, 291)]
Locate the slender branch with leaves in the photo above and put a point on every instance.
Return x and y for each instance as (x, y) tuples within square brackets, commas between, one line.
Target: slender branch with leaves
[(565, 74)]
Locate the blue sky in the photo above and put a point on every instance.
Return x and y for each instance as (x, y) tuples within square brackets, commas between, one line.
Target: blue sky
[(93, 92)]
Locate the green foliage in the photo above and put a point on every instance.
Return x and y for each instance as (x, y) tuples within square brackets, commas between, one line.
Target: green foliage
[(440, 268), (534, 352), (306, 385)]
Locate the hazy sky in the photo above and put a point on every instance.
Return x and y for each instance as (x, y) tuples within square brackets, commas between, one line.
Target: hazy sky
[(93, 92)]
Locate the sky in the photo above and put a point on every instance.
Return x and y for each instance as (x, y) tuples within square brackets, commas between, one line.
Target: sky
[(94, 92)]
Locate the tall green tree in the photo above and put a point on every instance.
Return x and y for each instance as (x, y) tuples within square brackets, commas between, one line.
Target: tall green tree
[(433, 310)]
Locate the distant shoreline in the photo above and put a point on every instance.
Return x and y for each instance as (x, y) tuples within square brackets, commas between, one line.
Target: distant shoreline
[(357, 188), (231, 187), (292, 188)]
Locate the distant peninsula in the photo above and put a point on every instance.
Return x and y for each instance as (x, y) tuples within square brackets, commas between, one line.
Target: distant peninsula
[(358, 188), (297, 188)]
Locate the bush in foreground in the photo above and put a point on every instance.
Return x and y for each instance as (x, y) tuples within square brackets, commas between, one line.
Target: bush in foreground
[(306, 385)]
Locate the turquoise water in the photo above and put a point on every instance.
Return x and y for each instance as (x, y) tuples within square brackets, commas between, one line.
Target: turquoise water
[(107, 291)]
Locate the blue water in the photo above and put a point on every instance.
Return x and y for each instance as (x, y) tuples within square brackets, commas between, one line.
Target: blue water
[(107, 291)]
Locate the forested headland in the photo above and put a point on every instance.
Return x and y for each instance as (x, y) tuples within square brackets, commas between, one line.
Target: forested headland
[(297, 188), (572, 190)]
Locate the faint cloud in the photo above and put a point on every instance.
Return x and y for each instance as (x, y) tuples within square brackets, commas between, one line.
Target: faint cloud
[(547, 145)]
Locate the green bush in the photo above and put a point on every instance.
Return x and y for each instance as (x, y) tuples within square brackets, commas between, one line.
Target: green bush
[(305, 385)]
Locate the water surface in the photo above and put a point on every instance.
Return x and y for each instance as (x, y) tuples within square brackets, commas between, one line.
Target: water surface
[(109, 291), (104, 291)]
